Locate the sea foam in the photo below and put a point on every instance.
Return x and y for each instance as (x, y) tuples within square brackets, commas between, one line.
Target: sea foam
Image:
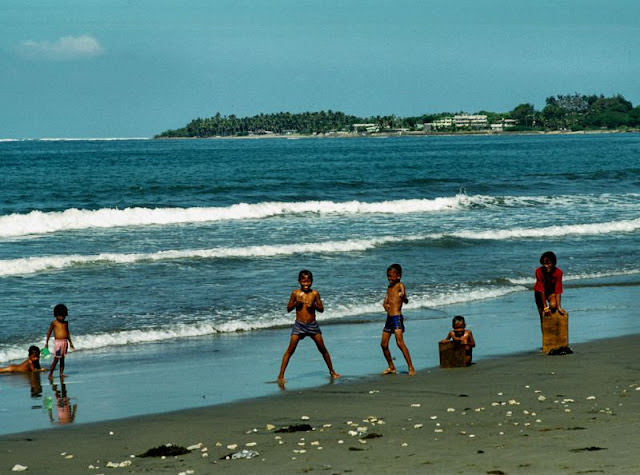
[(38, 264)]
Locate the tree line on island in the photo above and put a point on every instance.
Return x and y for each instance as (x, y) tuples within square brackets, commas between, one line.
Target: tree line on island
[(574, 112)]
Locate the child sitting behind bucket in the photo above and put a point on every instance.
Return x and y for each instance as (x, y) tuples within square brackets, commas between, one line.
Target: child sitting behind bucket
[(460, 335)]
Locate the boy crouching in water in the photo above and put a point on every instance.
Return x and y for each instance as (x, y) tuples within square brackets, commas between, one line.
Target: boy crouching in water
[(30, 365), (306, 302), (396, 296)]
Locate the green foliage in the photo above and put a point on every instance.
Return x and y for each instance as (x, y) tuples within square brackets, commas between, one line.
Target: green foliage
[(562, 112)]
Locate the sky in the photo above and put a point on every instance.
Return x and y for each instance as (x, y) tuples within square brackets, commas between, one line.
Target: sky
[(135, 68)]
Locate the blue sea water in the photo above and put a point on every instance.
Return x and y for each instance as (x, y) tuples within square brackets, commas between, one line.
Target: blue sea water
[(158, 242)]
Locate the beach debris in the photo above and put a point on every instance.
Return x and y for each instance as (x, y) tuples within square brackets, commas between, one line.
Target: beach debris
[(122, 464), (242, 454), (326, 426), (232, 446), (415, 405), (588, 449), (186, 472), (590, 398), (304, 418), (195, 446), (251, 431), (542, 398), (250, 444), (563, 350), (111, 432), (404, 444), (19, 468), (167, 450), (417, 426), (270, 427), (451, 409), (341, 441), (295, 428), (374, 391)]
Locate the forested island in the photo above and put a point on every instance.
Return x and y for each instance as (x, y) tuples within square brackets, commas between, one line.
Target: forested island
[(574, 112)]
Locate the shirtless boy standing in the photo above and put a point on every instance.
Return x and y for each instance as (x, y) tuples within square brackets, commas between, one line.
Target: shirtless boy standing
[(306, 302), (60, 329), (396, 296)]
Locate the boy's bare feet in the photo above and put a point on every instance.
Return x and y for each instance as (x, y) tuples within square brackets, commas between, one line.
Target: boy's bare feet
[(335, 375), (389, 371), (412, 372)]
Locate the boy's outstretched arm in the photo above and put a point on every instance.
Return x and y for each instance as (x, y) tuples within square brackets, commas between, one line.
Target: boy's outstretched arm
[(472, 342), (46, 342), (69, 338), (293, 301), (317, 301), (403, 293), (447, 338)]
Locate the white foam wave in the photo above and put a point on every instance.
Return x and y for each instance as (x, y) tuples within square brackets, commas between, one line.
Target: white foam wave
[(38, 222), (32, 265), (573, 277), (623, 226)]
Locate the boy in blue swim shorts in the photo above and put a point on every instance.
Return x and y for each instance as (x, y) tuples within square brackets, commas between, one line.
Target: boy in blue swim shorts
[(306, 302), (395, 298)]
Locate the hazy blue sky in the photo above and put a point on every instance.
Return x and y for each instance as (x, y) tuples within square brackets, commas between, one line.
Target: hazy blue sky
[(118, 68)]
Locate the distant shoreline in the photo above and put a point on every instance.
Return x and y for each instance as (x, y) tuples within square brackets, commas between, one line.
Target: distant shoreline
[(335, 135)]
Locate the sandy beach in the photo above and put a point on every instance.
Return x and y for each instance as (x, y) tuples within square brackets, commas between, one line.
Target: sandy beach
[(526, 413)]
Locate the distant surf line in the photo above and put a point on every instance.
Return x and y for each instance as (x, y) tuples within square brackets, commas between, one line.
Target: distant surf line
[(39, 222), (38, 264)]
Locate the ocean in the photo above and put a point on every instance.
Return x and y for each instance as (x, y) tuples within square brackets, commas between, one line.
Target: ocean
[(165, 250)]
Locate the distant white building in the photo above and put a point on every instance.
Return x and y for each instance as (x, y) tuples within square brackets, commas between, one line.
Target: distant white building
[(470, 121), (503, 124), (443, 123), (369, 128)]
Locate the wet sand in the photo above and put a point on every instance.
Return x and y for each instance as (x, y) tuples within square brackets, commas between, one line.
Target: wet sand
[(525, 413)]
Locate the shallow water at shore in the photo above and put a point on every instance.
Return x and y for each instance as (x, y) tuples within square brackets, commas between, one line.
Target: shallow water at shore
[(203, 371)]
